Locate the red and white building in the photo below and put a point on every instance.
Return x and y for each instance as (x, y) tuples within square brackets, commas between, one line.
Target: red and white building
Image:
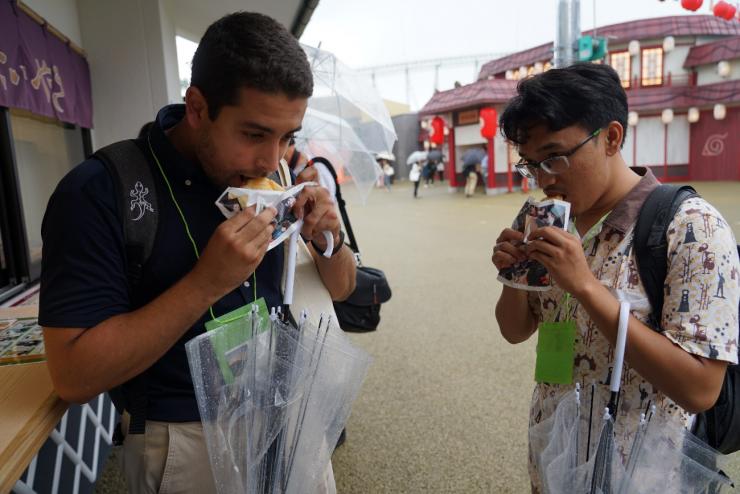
[(682, 77)]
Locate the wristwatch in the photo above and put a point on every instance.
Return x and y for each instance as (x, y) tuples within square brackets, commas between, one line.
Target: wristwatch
[(337, 246)]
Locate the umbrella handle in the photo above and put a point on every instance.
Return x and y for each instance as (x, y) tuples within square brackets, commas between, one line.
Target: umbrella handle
[(624, 318)]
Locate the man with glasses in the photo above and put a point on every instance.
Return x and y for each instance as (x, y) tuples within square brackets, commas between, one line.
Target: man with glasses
[(569, 125)]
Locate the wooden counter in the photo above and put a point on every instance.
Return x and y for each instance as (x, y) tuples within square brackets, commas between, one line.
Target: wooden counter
[(29, 410)]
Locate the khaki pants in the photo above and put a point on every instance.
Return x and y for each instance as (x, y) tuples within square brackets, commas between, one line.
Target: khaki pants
[(169, 458), (172, 458), (471, 183)]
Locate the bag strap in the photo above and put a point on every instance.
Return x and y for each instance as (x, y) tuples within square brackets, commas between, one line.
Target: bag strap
[(136, 192), (340, 203), (137, 202), (651, 245)]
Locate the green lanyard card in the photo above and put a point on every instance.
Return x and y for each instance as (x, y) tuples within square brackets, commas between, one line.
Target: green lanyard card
[(556, 350), (231, 331)]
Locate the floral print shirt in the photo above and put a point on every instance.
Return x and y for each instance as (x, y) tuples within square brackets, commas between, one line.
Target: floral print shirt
[(700, 311)]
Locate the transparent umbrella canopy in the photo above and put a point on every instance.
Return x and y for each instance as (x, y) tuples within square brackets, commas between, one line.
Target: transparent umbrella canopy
[(346, 121)]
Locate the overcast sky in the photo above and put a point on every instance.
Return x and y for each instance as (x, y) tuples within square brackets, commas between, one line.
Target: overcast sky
[(366, 33), (378, 32)]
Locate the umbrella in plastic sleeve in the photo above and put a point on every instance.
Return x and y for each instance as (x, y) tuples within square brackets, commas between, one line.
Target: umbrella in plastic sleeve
[(346, 116), (273, 400), (569, 458)]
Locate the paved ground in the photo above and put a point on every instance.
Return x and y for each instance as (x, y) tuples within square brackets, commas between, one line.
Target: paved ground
[(444, 407)]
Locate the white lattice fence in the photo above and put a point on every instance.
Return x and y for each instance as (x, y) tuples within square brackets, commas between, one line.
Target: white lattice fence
[(71, 459)]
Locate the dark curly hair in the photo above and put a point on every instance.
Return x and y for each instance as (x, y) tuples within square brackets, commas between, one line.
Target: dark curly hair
[(247, 49), (584, 94)]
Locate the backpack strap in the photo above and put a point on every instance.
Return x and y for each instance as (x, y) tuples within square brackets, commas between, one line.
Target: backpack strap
[(137, 202), (651, 245), (340, 203), (136, 192)]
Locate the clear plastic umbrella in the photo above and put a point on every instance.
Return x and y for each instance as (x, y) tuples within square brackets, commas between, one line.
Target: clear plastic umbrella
[(273, 400), (346, 120)]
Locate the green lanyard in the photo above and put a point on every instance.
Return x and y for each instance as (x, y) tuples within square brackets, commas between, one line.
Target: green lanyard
[(187, 228), (588, 237)]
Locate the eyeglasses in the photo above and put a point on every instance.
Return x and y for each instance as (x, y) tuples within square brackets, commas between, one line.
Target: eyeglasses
[(552, 165)]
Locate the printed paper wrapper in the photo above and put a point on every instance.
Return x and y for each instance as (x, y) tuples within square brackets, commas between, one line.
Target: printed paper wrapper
[(529, 274), (234, 200)]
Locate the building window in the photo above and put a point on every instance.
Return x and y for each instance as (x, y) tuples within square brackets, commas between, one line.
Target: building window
[(652, 67), (620, 62)]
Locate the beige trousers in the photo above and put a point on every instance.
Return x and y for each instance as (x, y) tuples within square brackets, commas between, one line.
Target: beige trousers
[(169, 458), (172, 458), (471, 183)]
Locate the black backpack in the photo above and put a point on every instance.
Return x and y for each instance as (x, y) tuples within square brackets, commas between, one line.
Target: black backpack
[(719, 426), (128, 166), (360, 313)]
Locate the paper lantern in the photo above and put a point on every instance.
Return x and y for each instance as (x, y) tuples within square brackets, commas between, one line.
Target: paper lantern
[(633, 118), (522, 71), (692, 5), (667, 116), (730, 12), (488, 122), (669, 43), (538, 68), (693, 115), (634, 47), (724, 10), (509, 75), (724, 68), (720, 111), (437, 131)]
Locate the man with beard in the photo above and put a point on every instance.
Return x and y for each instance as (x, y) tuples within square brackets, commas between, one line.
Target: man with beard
[(250, 85)]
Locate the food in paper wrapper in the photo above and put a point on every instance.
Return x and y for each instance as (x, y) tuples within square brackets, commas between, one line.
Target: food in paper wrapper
[(269, 194), (529, 274)]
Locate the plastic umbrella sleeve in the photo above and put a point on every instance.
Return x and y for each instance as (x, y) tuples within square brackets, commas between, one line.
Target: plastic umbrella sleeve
[(233, 410), (669, 458), (335, 384)]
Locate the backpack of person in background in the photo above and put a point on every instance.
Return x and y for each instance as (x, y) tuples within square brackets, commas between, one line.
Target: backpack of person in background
[(361, 311), (719, 426)]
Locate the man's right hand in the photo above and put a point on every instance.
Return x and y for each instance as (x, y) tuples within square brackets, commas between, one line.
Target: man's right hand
[(234, 251), (507, 250)]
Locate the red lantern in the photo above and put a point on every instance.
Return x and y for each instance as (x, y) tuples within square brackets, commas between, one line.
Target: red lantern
[(720, 9), (437, 131), (730, 12), (488, 122), (692, 5)]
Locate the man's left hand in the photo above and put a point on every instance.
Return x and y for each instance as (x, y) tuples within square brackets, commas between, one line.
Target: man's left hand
[(317, 209), (562, 254)]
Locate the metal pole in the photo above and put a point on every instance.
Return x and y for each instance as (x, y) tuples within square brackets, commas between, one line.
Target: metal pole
[(408, 86)]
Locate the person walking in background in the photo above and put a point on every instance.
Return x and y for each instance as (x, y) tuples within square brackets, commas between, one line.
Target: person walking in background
[(472, 160), (415, 177), (388, 173)]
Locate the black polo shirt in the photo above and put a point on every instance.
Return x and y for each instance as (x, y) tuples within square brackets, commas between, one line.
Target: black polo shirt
[(83, 278)]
